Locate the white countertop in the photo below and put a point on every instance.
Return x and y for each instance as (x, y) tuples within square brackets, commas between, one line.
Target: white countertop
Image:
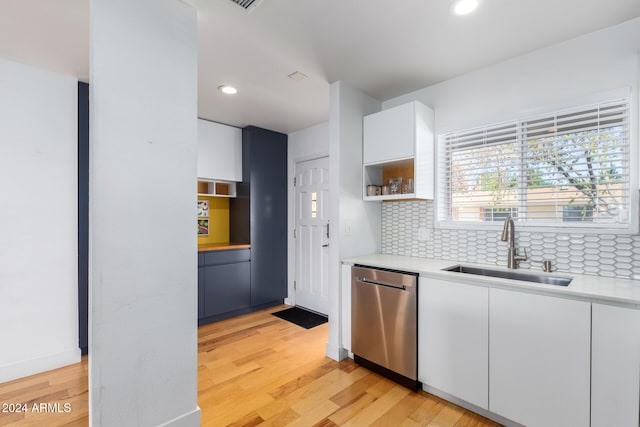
[(593, 288)]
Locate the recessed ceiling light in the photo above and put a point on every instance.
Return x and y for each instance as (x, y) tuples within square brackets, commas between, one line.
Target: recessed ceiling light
[(229, 90), (464, 7)]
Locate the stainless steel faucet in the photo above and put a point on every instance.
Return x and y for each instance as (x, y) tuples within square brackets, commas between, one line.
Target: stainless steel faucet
[(508, 235)]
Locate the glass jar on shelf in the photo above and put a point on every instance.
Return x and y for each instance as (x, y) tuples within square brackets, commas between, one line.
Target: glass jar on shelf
[(395, 185)]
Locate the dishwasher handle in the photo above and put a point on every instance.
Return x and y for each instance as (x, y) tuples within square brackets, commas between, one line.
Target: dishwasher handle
[(378, 283)]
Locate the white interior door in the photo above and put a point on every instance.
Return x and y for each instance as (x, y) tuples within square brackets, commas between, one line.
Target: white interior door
[(312, 234)]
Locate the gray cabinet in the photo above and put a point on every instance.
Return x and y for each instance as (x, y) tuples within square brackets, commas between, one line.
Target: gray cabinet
[(227, 287), (201, 292), (259, 214), (224, 284)]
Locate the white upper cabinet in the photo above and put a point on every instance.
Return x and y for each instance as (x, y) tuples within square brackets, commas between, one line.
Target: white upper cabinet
[(389, 134), (219, 152), (399, 143), (397, 133)]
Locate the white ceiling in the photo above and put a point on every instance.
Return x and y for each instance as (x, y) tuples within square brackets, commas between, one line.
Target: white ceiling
[(383, 47)]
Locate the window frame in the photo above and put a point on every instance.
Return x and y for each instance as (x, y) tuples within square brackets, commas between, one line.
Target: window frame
[(564, 227)]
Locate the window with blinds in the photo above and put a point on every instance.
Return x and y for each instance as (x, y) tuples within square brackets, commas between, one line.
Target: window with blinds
[(569, 168)]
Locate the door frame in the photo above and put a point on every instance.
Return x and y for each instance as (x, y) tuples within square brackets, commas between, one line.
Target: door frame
[(291, 243)]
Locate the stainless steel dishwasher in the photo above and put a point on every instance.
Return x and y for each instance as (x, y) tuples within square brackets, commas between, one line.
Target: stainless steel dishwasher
[(384, 322)]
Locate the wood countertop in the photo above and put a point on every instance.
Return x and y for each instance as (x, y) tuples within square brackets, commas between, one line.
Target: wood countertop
[(221, 246)]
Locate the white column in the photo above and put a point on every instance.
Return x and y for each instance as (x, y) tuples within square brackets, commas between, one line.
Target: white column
[(355, 225), (143, 256)]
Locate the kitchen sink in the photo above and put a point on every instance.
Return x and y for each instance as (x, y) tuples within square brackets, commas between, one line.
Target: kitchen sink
[(514, 275)]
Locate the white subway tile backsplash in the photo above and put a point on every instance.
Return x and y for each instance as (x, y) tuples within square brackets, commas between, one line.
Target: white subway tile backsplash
[(606, 255)]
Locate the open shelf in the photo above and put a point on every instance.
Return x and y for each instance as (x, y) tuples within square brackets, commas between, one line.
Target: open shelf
[(391, 197), (216, 188), (379, 174)]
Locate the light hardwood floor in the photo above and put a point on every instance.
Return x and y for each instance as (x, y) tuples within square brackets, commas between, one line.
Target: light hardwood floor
[(64, 385), (260, 370)]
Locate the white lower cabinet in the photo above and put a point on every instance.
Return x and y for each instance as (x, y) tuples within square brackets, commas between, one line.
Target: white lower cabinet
[(539, 365), (615, 366), (534, 359), (453, 339)]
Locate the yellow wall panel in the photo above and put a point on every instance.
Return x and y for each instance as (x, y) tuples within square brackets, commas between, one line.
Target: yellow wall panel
[(218, 220)]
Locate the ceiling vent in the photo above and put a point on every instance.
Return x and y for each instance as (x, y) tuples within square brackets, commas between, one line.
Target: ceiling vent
[(247, 5), (297, 75)]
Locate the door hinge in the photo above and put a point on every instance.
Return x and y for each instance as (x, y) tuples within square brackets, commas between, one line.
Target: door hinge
[(294, 285), (295, 181), (294, 233)]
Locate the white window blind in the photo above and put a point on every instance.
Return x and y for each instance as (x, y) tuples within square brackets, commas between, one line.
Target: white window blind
[(570, 167)]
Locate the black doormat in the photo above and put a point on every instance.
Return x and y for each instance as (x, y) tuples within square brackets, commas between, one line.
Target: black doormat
[(301, 317)]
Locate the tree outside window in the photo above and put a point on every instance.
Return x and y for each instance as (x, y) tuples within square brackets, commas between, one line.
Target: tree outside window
[(572, 166)]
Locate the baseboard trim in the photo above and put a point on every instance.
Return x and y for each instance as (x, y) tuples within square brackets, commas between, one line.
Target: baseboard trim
[(25, 368), (470, 406), (234, 313), (190, 419), (335, 352)]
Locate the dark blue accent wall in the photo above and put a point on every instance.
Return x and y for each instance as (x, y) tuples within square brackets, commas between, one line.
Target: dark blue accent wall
[(83, 216)]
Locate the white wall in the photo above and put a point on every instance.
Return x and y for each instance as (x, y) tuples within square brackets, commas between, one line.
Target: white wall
[(356, 223), (586, 69), (577, 71), (143, 263), (38, 221), (306, 144), (594, 67), (309, 143)]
